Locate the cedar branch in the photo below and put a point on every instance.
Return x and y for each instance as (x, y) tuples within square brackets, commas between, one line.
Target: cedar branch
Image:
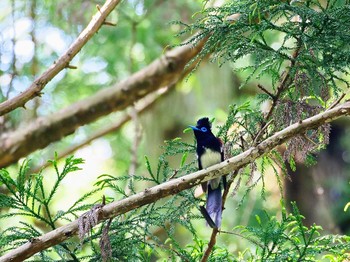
[(63, 61), (177, 185)]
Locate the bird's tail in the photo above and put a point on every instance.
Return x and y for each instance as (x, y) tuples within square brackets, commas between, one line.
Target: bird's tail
[(214, 205)]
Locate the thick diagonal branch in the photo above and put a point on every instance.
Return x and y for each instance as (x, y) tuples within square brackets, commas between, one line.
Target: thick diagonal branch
[(164, 71), (63, 61), (145, 105), (177, 185)]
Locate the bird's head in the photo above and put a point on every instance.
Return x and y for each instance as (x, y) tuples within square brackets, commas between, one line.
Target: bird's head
[(203, 128)]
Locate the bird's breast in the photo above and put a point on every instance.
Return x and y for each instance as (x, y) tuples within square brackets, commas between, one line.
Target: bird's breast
[(210, 157)]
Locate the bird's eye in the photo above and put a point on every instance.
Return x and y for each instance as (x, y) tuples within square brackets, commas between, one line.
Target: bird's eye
[(204, 129)]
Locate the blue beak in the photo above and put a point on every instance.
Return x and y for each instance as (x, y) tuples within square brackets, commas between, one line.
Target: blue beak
[(195, 128)]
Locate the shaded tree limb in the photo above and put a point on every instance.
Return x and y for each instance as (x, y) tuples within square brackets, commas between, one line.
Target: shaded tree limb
[(177, 185), (142, 107), (211, 244), (164, 71), (63, 61)]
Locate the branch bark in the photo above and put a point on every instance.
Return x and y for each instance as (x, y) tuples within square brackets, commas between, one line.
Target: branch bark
[(63, 61), (164, 71), (175, 186), (144, 106)]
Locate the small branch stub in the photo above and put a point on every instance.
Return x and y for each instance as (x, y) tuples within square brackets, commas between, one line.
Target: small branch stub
[(109, 23), (71, 66), (267, 91)]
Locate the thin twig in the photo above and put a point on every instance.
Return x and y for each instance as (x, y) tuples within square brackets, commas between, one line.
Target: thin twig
[(13, 53), (94, 25), (109, 23), (134, 117), (34, 67), (261, 131), (310, 140), (336, 102), (134, 148), (284, 83), (69, 66), (266, 91)]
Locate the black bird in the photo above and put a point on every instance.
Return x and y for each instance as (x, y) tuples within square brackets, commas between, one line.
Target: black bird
[(210, 152)]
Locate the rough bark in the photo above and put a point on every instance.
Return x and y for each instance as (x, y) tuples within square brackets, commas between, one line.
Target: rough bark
[(174, 186), (162, 72), (63, 61)]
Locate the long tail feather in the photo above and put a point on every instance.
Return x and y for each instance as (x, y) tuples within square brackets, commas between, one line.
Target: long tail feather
[(214, 205), (207, 217)]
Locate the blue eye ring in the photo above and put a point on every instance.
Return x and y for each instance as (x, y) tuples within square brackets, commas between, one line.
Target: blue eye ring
[(204, 129)]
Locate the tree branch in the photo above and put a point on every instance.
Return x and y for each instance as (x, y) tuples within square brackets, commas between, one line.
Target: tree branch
[(177, 185), (141, 107), (164, 71), (38, 85), (211, 245), (285, 81)]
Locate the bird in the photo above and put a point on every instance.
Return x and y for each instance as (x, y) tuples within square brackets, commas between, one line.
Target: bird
[(210, 152)]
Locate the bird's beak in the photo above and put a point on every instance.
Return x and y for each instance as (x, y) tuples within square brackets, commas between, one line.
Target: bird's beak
[(195, 128)]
